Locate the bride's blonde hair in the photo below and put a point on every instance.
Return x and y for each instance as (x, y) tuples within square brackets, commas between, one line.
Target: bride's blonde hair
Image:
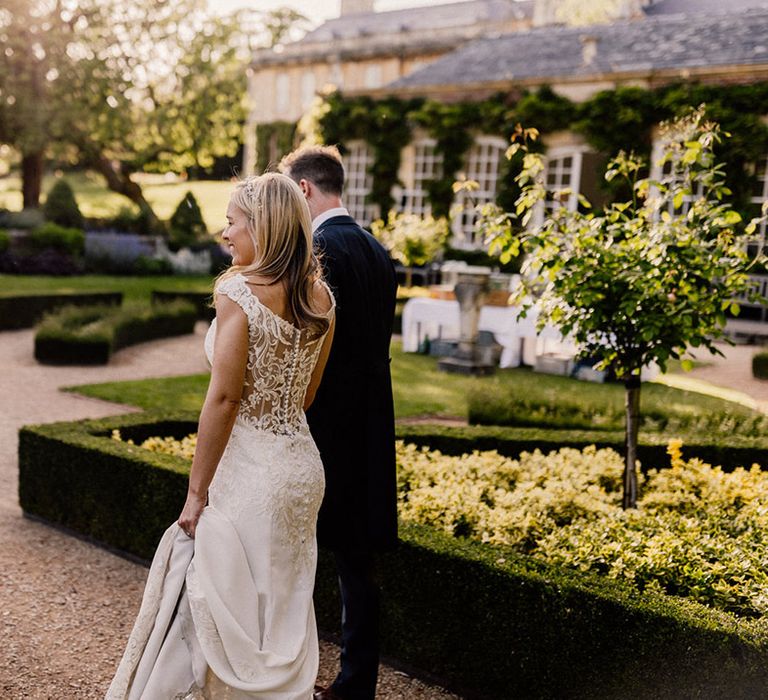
[(280, 227)]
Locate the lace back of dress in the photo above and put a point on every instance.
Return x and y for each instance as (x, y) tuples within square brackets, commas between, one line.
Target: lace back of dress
[(281, 359)]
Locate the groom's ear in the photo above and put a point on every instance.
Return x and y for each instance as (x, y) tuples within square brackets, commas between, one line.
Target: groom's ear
[(306, 188)]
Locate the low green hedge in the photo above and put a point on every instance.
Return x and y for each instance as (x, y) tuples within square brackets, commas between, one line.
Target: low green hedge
[(652, 451), (200, 300), (24, 311), (89, 335), (760, 365), (490, 623)]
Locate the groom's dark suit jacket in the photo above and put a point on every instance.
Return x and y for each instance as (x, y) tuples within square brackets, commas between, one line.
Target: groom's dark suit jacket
[(352, 417)]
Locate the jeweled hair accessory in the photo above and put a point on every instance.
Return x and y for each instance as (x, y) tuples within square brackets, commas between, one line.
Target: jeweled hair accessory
[(250, 190)]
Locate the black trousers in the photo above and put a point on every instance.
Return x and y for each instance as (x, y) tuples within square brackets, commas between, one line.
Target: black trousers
[(359, 625)]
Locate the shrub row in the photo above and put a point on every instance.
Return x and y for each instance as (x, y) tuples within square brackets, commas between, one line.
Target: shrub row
[(23, 311), (492, 623), (511, 442), (200, 300), (89, 335)]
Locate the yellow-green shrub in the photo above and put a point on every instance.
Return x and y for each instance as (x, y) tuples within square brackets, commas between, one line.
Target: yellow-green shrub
[(698, 532)]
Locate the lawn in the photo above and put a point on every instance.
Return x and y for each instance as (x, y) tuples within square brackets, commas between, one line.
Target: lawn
[(133, 288), (421, 390), (164, 194)]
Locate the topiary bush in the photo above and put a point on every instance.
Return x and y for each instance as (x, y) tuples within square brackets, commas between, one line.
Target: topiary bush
[(186, 226), (760, 365), (61, 206), (89, 335), (488, 621), (70, 241)]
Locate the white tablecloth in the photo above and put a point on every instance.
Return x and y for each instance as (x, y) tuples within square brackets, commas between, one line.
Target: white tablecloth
[(439, 319)]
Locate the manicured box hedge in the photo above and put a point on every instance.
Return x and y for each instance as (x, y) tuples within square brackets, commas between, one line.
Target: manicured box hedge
[(652, 450), (200, 300), (490, 623), (760, 365), (23, 311), (89, 335)]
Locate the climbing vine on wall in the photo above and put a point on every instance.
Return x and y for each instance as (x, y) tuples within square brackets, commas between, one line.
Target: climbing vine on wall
[(610, 121), (273, 141)]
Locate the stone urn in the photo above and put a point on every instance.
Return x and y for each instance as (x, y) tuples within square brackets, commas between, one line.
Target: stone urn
[(471, 290)]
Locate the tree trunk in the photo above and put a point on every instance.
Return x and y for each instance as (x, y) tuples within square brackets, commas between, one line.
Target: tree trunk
[(632, 408), (120, 182), (31, 179)]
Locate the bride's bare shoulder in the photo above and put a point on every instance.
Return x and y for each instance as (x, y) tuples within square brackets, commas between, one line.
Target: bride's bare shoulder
[(321, 296)]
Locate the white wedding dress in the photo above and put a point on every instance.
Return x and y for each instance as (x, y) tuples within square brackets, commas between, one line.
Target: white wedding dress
[(229, 615)]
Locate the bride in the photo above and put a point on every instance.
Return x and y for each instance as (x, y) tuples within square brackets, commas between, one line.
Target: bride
[(227, 610)]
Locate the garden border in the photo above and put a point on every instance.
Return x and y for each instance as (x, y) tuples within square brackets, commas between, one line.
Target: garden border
[(24, 310), (61, 345), (511, 442), (492, 623)]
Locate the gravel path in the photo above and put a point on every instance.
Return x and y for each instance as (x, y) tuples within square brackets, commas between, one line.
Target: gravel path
[(67, 606)]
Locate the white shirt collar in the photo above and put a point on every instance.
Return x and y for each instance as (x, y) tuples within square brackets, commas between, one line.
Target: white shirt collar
[(328, 214)]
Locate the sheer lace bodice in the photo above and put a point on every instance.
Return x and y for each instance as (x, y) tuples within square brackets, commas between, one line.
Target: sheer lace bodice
[(281, 358)]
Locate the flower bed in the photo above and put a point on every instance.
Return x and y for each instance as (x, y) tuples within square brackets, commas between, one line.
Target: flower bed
[(89, 335), (491, 622)]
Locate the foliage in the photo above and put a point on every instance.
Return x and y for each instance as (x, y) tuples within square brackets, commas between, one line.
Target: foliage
[(90, 334), (411, 239), (383, 124), (730, 452), (129, 87), (24, 219), (612, 120), (760, 365), (23, 311), (593, 409), (59, 238), (612, 282), (5, 240), (698, 533), (61, 206), (274, 136), (575, 635), (187, 225), (184, 447)]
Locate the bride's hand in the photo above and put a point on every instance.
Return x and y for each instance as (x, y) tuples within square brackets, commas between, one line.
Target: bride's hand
[(190, 514)]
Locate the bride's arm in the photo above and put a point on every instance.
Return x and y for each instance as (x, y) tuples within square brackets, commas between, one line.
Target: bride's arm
[(317, 373), (220, 407)]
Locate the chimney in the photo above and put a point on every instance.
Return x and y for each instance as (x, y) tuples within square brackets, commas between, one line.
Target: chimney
[(354, 7)]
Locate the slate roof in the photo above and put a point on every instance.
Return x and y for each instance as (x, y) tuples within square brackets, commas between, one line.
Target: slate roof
[(696, 7), (419, 19), (654, 43)]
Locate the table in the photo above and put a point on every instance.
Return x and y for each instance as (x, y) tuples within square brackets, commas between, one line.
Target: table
[(521, 344)]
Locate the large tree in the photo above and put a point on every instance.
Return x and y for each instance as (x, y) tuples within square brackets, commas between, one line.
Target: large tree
[(123, 86)]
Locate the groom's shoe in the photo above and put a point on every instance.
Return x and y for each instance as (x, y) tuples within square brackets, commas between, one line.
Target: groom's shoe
[(324, 694)]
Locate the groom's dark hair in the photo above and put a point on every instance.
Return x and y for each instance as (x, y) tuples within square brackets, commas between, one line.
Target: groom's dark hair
[(321, 165)]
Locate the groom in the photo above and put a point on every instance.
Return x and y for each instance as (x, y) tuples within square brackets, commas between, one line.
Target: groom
[(352, 417)]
